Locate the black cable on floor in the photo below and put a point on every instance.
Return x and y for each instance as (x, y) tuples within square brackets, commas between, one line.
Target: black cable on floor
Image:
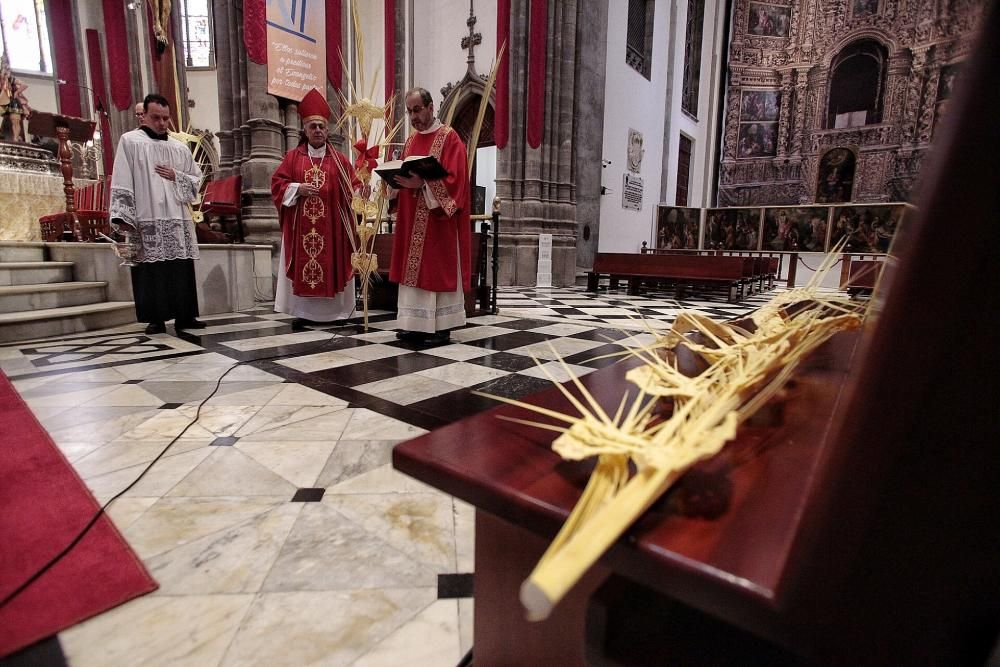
[(90, 524)]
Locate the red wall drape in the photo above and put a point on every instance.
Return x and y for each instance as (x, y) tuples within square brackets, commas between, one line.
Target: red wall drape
[(119, 79), (64, 53), (255, 30), (96, 60), (501, 117), (334, 69), (536, 72), (390, 48)]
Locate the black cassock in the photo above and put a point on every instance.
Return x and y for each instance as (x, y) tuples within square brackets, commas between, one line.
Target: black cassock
[(165, 291)]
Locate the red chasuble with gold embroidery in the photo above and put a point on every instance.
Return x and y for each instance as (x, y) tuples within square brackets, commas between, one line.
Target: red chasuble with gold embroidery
[(317, 249), (427, 245)]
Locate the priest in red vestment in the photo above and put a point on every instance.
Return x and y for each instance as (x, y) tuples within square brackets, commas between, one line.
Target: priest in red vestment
[(312, 190), (432, 243)]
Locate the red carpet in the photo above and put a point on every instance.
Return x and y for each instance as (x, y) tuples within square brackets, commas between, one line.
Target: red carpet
[(43, 505)]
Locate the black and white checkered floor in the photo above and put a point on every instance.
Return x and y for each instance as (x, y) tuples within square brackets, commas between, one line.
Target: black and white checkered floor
[(275, 518)]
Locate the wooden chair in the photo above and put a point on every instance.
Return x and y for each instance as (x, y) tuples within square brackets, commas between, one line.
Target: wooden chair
[(91, 204)]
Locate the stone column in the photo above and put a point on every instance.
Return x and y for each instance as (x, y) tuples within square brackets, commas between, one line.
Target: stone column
[(592, 28), (264, 146), (786, 108), (536, 185)]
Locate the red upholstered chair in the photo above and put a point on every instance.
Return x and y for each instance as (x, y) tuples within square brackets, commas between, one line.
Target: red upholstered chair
[(91, 203), (222, 199)]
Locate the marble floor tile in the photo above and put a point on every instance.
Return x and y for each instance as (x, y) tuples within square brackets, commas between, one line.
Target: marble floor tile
[(378, 479), (230, 472), (322, 627), (299, 462), (430, 638), (406, 389), (466, 610), (368, 425), (463, 374), (556, 348), (419, 524), (158, 630), (558, 372), (296, 394), (327, 551), (235, 559), (276, 341), (458, 352), (310, 363), (351, 459), (173, 522), (296, 422)]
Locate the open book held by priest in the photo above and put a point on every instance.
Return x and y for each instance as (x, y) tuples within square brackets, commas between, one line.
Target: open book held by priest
[(425, 166)]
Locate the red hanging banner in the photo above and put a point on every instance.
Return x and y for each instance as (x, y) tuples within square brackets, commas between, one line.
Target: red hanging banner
[(119, 79), (96, 60), (390, 48), (501, 117), (538, 27), (64, 53), (334, 68), (255, 30)]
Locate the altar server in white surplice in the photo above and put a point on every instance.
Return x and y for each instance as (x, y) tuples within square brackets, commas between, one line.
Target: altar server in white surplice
[(155, 178)]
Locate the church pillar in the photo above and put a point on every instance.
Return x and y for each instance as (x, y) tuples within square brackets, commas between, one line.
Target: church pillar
[(223, 14), (589, 126), (264, 146), (536, 185)]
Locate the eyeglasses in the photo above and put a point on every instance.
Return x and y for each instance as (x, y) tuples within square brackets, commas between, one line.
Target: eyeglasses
[(415, 110)]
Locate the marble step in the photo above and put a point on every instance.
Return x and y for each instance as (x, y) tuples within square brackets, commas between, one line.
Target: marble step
[(16, 298), (68, 320), (21, 251), (34, 273)]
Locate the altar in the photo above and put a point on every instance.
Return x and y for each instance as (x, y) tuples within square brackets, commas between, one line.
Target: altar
[(25, 197)]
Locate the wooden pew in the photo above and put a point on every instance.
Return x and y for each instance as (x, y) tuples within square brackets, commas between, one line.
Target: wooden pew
[(682, 270)]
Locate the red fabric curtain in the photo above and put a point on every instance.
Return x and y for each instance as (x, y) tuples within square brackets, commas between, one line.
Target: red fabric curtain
[(117, 43), (96, 60), (334, 69), (501, 117), (255, 30), (538, 28), (390, 48), (64, 52)]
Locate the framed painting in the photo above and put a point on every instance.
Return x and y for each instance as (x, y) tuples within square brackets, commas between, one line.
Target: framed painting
[(760, 105), (863, 8), (732, 229), (768, 20), (835, 176), (798, 228), (677, 228), (866, 228), (757, 140)]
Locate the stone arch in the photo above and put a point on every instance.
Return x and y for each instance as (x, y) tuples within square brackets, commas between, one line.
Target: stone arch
[(857, 84)]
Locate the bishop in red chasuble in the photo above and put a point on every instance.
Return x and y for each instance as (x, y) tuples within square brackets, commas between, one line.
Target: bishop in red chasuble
[(312, 190), (431, 249)]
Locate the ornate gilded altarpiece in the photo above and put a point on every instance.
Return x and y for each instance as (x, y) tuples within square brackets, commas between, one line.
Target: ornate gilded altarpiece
[(784, 142)]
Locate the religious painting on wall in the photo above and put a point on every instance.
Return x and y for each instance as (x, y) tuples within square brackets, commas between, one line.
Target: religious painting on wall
[(732, 229), (760, 105), (677, 228), (863, 8), (866, 228), (802, 229), (835, 176), (757, 140), (768, 20)]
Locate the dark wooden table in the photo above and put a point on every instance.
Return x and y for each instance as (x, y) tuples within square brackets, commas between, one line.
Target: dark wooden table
[(719, 543)]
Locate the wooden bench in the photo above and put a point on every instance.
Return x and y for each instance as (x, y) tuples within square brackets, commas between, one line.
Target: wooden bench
[(862, 276), (91, 212), (734, 273)]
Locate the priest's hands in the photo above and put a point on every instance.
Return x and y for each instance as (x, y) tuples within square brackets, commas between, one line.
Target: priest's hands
[(413, 182), (166, 172), (306, 190)]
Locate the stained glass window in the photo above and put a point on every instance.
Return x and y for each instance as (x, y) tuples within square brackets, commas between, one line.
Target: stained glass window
[(26, 36), (197, 23)]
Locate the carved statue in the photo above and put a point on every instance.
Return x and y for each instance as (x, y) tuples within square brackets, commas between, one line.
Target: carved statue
[(13, 104), (161, 22)]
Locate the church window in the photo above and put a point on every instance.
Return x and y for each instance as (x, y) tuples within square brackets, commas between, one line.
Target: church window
[(683, 171), (692, 56), (26, 36), (199, 50), (857, 85), (639, 37)]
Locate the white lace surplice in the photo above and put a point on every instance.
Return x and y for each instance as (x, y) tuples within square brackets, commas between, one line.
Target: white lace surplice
[(157, 207)]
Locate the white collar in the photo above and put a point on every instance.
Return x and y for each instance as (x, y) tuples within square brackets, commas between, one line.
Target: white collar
[(316, 152), (435, 126)]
